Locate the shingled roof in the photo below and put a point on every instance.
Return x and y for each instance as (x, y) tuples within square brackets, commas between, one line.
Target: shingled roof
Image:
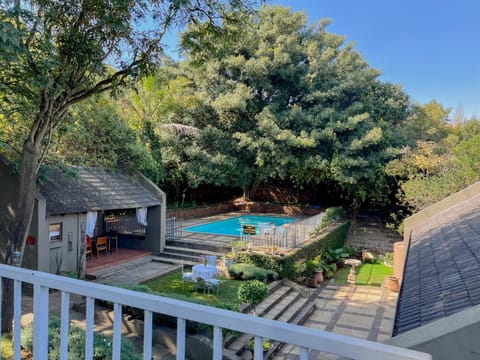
[(442, 271), (84, 190)]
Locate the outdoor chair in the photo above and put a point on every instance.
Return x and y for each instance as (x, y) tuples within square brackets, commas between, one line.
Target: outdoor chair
[(211, 260), (101, 245), (212, 283), (186, 276), (88, 247)]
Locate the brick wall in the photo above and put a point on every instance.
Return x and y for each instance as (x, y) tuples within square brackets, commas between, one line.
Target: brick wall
[(242, 206)]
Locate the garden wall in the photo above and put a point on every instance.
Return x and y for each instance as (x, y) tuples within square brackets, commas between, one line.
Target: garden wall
[(242, 206)]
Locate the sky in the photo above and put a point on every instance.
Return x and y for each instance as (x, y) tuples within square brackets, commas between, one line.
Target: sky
[(430, 47)]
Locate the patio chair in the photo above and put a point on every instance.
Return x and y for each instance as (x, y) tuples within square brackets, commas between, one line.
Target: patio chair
[(211, 283), (211, 260), (101, 245), (186, 276), (88, 247)]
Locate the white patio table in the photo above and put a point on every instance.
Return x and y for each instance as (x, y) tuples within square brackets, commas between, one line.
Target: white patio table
[(206, 272)]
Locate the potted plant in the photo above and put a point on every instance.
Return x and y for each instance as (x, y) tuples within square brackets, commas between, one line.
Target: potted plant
[(336, 256), (267, 345), (310, 268)]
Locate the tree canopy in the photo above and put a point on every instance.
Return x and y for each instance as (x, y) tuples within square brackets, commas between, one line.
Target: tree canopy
[(287, 101)]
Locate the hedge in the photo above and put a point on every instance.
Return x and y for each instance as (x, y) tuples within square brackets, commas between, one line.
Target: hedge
[(285, 266)]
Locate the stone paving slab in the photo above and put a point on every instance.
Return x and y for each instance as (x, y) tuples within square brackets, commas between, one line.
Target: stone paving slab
[(360, 311)]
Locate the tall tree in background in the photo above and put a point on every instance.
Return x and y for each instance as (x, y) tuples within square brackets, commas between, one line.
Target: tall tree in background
[(55, 54), (291, 101)]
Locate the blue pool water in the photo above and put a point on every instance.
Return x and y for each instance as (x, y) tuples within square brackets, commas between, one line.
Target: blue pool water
[(233, 226)]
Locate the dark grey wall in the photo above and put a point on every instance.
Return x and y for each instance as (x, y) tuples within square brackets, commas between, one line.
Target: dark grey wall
[(153, 230)]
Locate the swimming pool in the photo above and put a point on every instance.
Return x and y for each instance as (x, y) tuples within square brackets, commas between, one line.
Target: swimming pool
[(233, 226)]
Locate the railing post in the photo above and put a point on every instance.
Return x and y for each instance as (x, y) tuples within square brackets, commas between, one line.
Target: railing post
[(217, 343), (258, 348), (17, 318), (89, 327), (181, 329), (65, 320), (117, 330), (40, 322), (303, 353), (147, 335)]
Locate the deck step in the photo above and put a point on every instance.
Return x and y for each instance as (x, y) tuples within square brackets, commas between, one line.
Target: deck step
[(189, 251), (218, 247)]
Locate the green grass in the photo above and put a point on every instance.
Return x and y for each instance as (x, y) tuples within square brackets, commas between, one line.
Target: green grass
[(367, 274), (171, 285)]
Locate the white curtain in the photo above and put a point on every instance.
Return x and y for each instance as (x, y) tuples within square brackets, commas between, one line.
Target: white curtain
[(142, 216), (91, 221)]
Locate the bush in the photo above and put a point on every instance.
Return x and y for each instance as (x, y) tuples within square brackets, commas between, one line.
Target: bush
[(241, 271), (286, 266), (252, 292), (102, 345)]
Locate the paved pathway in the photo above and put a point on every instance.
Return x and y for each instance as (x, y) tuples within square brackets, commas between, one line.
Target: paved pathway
[(361, 311), (136, 271)]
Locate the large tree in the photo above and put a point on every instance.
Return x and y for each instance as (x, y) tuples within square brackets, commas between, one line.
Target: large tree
[(291, 101), (54, 54)]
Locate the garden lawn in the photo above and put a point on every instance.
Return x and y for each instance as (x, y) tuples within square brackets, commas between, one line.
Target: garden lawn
[(367, 274), (170, 285)]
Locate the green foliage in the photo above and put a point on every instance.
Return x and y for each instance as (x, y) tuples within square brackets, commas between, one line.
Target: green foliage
[(388, 259), (266, 345), (284, 100), (244, 272), (252, 292), (332, 214), (334, 256), (310, 267), (102, 345), (435, 168), (288, 266), (96, 136)]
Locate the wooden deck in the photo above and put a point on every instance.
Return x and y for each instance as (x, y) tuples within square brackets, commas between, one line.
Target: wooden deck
[(94, 263)]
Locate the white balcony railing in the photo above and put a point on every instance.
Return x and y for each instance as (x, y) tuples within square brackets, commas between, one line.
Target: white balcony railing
[(306, 338)]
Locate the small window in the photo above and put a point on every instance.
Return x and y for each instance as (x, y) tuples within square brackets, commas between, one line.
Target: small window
[(55, 231)]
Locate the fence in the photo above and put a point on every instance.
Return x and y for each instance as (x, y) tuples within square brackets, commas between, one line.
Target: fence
[(285, 236), (173, 229), (306, 338), (124, 224)]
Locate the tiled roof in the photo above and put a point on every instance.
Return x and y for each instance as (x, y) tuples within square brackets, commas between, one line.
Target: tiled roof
[(442, 272), (84, 190)]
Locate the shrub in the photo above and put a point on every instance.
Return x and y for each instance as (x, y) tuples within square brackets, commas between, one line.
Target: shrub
[(252, 292), (242, 271), (286, 266), (102, 345)]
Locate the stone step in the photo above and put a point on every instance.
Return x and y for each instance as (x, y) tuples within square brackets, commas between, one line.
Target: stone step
[(219, 247), (292, 310), (264, 308), (190, 251), (285, 303), (284, 306), (173, 261)]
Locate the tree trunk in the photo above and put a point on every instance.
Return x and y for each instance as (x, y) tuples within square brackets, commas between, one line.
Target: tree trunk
[(253, 189), (21, 220)]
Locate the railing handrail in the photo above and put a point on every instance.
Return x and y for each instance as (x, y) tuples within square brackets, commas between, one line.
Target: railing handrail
[(293, 334)]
